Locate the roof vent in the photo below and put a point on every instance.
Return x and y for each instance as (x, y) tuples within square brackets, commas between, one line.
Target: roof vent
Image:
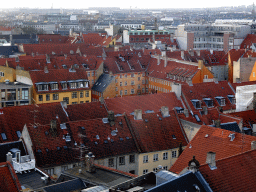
[(232, 136), (68, 138), (210, 159), (113, 133)]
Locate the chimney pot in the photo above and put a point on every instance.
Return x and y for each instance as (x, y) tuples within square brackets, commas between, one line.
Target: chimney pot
[(89, 163), (138, 114)]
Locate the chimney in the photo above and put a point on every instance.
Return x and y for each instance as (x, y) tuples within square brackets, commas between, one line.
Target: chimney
[(200, 64), (191, 52), (138, 114), (9, 157), (165, 111), (217, 123), (17, 59), (253, 145), (205, 110), (165, 61), (186, 113), (33, 54), (101, 99), (111, 118), (158, 59), (64, 104), (48, 59), (89, 163), (46, 69), (182, 54), (53, 128), (211, 51), (65, 55), (210, 160), (11, 40), (198, 53)]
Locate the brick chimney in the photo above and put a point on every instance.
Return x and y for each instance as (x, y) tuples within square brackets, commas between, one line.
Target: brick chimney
[(46, 69), (89, 163), (165, 111), (182, 54), (186, 113), (210, 160), (217, 123), (138, 114), (253, 145)]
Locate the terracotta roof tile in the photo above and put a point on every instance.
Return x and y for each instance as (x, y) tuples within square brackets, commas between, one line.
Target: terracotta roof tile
[(248, 41), (212, 139)]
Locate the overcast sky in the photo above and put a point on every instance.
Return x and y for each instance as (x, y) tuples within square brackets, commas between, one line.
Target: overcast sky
[(83, 4)]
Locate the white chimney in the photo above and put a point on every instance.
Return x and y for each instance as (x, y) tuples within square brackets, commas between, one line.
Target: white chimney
[(210, 159), (165, 111), (253, 145), (138, 114), (9, 157), (205, 110)]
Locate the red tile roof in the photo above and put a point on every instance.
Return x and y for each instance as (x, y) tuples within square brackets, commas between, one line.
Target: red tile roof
[(14, 118), (156, 133), (212, 139), (234, 173), (249, 117), (199, 91), (248, 41), (8, 178), (3, 28), (52, 38), (58, 76), (153, 102)]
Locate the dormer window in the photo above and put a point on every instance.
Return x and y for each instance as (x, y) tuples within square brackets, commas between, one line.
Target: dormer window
[(54, 86), (64, 85), (196, 103), (221, 100), (64, 66), (42, 87), (208, 102), (73, 85), (232, 99)]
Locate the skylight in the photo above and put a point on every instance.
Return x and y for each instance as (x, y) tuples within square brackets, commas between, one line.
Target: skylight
[(18, 134), (4, 136), (97, 137)]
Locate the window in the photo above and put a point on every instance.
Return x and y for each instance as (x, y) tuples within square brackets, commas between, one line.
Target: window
[(42, 87), (132, 171), (143, 90), (1, 74), (92, 73), (125, 83), (72, 85), (205, 76), (208, 102), (174, 154), (146, 90), (155, 158), (18, 134), (121, 92), (74, 95), (121, 83), (145, 171), (143, 81), (132, 159), (40, 97), (64, 85), (125, 92), (155, 170), (125, 75), (121, 76), (132, 83), (4, 136), (54, 86), (132, 91), (86, 93), (111, 162), (47, 97), (74, 103), (139, 86), (66, 99), (221, 100), (55, 96), (196, 103), (165, 168), (145, 159), (116, 88), (121, 160), (132, 75), (81, 94), (88, 73), (165, 156), (138, 78), (232, 99)]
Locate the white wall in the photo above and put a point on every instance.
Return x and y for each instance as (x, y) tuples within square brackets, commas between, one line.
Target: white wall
[(244, 97)]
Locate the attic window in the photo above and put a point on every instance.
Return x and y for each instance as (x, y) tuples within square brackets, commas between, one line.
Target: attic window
[(4, 136), (39, 151), (197, 118), (63, 126), (82, 128), (121, 139), (64, 66), (232, 99), (46, 132), (47, 150), (18, 134), (221, 100), (58, 148), (146, 120), (127, 138), (173, 137), (105, 141), (179, 109), (65, 147), (208, 102), (97, 137), (196, 103), (96, 143), (111, 140)]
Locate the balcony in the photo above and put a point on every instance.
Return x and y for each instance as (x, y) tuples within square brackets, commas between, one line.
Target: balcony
[(25, 163)]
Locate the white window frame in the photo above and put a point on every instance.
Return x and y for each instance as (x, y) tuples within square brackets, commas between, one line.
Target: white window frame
[(145, 159)]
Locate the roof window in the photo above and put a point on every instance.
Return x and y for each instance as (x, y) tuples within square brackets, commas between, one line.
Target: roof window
[(58, 148), (221, 100), (208, 102), (97, 137), (4, 136), (197, 118), (196, 103), (149, 111), (232, 99), (18, 134)]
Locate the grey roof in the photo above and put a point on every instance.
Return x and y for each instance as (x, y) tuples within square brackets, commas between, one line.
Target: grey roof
[(12, 85), (231, 126), (67, 186), (187, 182), (103, 82), (164, 176), (8, 50), (101, 177)]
